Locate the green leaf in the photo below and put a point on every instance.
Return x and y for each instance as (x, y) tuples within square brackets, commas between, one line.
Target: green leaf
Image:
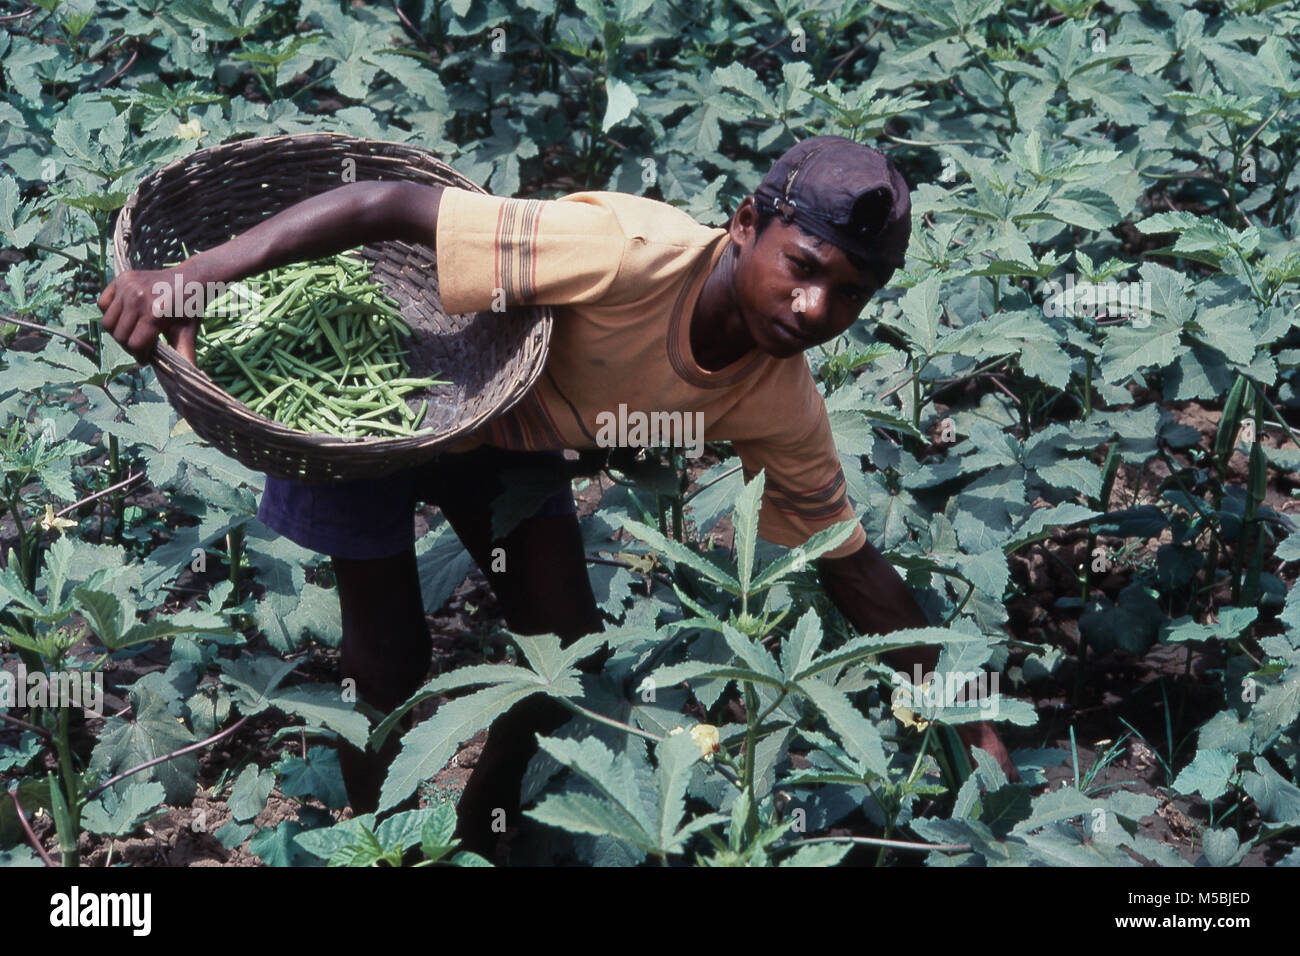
[(745, 523), (443, 563), (438, 832), (620, 102), (277, 847), (16, 758), (754, 655), (319, 776), (922, 310), (1222, 847), (452, 680), (114, 816), (798, 650), (233, 834), (818, 854), (583, 813), (554, 663), (795, 559), (1278, 800), (428, 747), (625, 812), (857, 735), (365, 851), (322, 705), (1004, 807), (704, 670), (104, 613), (324, 842), (248, 797), (681, 554), (404, 830), (254, 677), (469, 859), (1056, 806), (677, 755), (125, 743), (1232, 623)]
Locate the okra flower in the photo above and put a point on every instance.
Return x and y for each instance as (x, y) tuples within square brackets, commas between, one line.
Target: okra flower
[(706, 737)]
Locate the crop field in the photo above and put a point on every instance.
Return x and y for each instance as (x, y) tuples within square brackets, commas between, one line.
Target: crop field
[(1070, 422)]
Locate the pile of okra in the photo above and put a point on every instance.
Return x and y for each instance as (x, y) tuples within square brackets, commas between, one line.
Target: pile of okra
[(316, 346)]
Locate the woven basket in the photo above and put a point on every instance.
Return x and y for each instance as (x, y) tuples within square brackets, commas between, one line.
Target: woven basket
[(491, 358)]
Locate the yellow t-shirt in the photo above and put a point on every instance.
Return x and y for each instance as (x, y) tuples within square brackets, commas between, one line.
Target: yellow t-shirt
[(624, 273)]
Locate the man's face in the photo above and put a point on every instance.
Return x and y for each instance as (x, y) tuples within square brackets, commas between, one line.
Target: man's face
[(794, 290)]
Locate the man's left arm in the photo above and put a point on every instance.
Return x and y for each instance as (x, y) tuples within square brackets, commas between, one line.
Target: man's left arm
[(876, 600)]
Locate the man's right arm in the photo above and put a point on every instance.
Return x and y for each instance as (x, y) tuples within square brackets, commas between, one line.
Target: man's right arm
[(323, 225)]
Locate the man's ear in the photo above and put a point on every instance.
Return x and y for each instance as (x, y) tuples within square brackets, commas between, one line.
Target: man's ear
[(744, 224)]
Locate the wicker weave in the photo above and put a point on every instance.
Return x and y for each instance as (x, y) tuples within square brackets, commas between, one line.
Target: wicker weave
[(201, 200)]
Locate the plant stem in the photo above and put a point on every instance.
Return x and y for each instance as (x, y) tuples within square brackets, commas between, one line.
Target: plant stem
[(925, 741), (168, 756), (27, 829), (888, 844), (46, 330), (607, 721), (119, 500), (26, 726), (751, 740), (71, 791)]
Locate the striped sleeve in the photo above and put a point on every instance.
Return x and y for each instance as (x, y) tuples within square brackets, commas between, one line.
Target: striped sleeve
[(804, 489), (496, 253)]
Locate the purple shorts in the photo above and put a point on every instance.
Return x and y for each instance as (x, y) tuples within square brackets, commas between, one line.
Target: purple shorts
[(374, 517)]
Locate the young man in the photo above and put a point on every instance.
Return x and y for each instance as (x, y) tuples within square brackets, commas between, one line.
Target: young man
[(653, 311)]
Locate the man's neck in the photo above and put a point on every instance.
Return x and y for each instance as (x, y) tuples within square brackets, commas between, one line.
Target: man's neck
[(718, 336)]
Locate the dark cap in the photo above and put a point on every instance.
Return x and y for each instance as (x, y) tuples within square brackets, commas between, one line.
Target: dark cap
[(846, 193)]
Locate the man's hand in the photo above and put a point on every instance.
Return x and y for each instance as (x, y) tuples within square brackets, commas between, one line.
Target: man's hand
[(984, 736), (870, 593), (136, 311), (140, 305)]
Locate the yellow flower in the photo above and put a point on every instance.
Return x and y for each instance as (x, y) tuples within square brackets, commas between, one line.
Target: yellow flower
[(191, 130), (907, 717), (910, 719), (706, 737), (50, 523)]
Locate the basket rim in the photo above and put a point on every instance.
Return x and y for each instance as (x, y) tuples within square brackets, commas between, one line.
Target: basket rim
[(169, 363)]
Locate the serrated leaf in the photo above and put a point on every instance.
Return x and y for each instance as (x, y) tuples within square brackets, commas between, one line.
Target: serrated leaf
[(859, 738), (322, 705), (428, 746), (681, 553), (745, 522), (676, 755)]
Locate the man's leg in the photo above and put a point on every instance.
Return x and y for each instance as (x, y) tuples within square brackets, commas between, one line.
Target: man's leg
[(545, 589), (550, 594), (386, 649), (367, 529)]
